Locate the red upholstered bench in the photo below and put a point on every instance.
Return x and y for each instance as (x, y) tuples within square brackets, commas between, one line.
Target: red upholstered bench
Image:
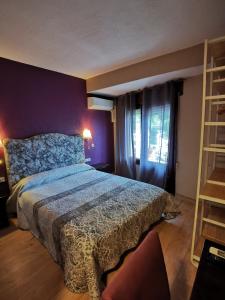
[(143, 276)]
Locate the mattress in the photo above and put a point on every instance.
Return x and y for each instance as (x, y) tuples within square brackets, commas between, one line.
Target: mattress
[(87, 219)]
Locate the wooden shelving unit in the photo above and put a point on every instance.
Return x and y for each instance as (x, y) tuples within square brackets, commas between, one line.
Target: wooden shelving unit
[(210, 231), (209, 220), (219, 80), (217, 176), (213, 192)]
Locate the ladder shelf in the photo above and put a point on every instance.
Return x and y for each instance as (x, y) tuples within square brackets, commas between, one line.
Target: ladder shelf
[(212, 149), (216, 97), (214, 123), (210, 196), (216, 69), (218, 174), (211, 192), (219, 80)]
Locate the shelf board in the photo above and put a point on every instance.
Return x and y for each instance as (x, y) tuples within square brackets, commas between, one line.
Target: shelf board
[(219, 80), (214, 193), (217, 145), (216, 69), (218, 174), (214, 233), (218, 102), (215, 97), (215, 123), (208, 235), (216, 213), (212, 149), (216, 49), (210, 231), (214, 222), (216, 40)]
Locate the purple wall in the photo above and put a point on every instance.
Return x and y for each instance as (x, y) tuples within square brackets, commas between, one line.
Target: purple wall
[(35, 100)]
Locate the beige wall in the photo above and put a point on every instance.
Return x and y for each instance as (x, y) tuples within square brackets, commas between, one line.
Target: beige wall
[(189, 137), (179, 60)]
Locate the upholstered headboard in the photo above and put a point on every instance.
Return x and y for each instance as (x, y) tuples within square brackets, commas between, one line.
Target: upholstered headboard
[(25, 157)]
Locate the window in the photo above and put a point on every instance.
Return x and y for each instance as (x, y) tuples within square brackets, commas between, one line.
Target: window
[(137, 134), (158, 134)]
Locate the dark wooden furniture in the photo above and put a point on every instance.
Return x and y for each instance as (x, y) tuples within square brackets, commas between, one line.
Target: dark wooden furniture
[(210, 278), (4, 194), (103, 167)]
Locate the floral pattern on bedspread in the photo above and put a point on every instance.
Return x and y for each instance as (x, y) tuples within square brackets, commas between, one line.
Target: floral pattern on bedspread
[(40, 153), (88, 226)]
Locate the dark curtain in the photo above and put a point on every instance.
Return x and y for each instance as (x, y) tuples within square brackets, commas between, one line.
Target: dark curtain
[(125, 124), (159, 134)]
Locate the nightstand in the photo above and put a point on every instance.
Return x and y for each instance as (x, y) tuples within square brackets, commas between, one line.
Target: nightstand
[(103, 167), (4, 194)]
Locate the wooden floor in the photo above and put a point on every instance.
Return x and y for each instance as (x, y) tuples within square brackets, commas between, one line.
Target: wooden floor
[(28, 272)]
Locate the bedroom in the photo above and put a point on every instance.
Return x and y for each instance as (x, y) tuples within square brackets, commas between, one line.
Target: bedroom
[(60, 156)]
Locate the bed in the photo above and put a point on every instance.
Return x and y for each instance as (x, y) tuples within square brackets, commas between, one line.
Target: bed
[(85, 218)]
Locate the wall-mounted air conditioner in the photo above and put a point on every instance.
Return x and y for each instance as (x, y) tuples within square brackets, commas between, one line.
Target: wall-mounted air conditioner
[(100, 104)]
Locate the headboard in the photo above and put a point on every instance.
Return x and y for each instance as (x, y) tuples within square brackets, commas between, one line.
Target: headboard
[(25, 157)]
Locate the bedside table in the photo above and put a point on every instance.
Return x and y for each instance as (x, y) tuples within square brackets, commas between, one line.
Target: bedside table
[(4, 194), (103, 167)]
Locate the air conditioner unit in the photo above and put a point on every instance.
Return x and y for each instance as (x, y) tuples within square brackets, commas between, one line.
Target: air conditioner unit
[(100, 104)]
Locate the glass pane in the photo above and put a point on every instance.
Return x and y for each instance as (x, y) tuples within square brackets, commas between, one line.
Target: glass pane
[(158, 134), (137, 134)]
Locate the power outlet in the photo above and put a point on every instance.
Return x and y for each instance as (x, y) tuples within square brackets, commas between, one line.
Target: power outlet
[(88, 159)]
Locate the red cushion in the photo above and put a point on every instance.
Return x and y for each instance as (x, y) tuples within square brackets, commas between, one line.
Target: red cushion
[(143, 277)]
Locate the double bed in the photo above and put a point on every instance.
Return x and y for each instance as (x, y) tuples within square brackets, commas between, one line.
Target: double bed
[(85, 218)]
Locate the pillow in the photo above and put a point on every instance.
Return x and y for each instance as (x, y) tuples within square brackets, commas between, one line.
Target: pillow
[(25, 157)]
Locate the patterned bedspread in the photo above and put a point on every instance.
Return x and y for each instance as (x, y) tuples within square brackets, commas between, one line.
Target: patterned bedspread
[(86, 219)]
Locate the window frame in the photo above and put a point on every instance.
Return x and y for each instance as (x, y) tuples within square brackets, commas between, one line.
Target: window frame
[(139, 106)]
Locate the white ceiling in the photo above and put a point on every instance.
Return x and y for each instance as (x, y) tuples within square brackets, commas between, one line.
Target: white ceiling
[(121, 89), (89, 37)]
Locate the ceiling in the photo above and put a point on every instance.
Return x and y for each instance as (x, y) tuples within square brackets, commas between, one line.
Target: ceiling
[(85, 38), (121, 89)]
